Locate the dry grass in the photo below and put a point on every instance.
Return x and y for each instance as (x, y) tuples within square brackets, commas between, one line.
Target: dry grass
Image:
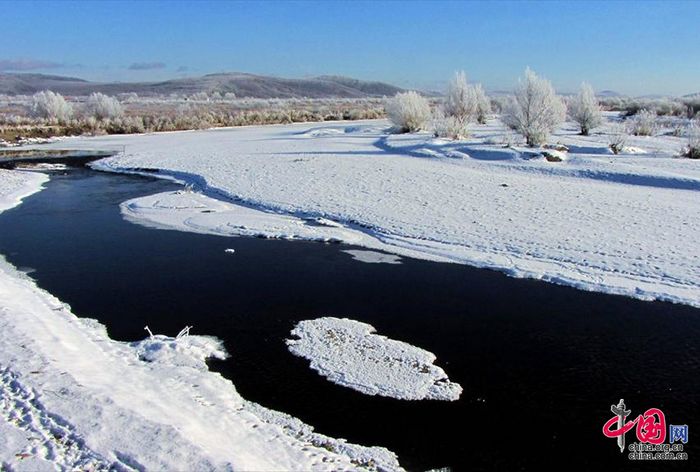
[(166, 114)]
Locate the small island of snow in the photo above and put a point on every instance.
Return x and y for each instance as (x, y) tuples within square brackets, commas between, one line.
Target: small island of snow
[(373, 257), (349, 353)]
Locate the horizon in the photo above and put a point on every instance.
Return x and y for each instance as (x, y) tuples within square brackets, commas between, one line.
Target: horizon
[(415, 45), (604, 91)]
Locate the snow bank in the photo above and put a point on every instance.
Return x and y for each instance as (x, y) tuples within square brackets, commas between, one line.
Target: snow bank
[(621, 224), (348, 353), (190, 351), (16, 185), (196, 212)]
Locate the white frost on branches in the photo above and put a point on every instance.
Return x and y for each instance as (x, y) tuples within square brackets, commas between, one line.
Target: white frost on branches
[(51, 106), (408, 111), (535, 110), (464, 104), (483, 104), (693, 148), (102, 106), (644, 123), (585, 110)]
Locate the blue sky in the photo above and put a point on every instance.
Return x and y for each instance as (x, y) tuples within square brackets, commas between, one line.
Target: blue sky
[(631, 47)]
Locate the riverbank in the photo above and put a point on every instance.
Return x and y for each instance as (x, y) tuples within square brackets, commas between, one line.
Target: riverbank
[(14, 186), (591, 221)]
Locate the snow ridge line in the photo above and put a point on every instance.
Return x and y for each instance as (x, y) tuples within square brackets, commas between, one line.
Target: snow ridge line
[(429, 150), (51, 437)]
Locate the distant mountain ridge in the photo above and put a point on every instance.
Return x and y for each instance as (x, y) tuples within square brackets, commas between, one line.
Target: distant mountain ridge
[(242, 84), (608, 93)]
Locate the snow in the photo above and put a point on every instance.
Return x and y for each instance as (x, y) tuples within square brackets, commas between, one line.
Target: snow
[(16, 185), (373, 257), (71, 398), (592, 221), (41, 167), (191, 211), (349, 353)]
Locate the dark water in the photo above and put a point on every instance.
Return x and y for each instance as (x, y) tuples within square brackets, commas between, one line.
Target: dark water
[(540, 364)]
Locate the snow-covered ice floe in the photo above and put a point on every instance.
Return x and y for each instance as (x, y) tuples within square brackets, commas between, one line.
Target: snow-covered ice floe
[(623, 224), (351, 354), (71, 398), (373, 257)]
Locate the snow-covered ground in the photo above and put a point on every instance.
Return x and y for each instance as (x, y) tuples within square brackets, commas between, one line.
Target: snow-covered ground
[(351, 354), (16, 185), (622, 224), (73, 399)]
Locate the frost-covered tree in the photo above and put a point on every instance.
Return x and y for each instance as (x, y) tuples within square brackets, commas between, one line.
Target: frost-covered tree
[(535, 110), (644, 123), (102, 106), (51, 106), (408, 111), (585, 109), (460, 101), (483, 104), (464, 104)]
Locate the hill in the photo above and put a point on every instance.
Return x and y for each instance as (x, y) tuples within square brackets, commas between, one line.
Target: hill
[(242, 84)]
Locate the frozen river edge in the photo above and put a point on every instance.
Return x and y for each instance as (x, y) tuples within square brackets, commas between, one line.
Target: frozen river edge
[(590, 222), (65, 402)]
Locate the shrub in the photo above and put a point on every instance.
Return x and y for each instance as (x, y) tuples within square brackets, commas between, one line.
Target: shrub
[(464, 103), (585, 110), (644, 123), (199, 97), (102, 106), (51, 106), (460, 101), (408, 111), (535, 110), (483, 104), (448, 126), (692, 150), (618, 138)]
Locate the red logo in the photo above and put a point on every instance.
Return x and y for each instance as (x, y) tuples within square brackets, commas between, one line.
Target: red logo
[(651, 425)]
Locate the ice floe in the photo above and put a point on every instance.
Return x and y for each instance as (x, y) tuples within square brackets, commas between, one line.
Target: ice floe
[(373, 257), (351, 354)]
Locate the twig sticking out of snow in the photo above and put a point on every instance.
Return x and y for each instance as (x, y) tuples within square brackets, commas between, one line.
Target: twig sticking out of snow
[(150, 333), (184, 332)]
